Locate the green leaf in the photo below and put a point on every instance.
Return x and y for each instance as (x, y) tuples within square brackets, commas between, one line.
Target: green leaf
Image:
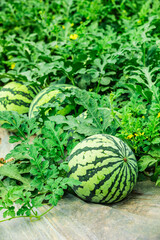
[(146, 161), (59, 191), (64, 166), (158, 182), (90, 104), (13, 139), (53, 198), (156, 141), (37, 201), (155, 152), (11, 171), (105, 80)]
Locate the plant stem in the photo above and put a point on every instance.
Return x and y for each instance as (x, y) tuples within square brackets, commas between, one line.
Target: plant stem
[(59, 142), (97, 89), (31, 216), (72, 80), (144, 55)]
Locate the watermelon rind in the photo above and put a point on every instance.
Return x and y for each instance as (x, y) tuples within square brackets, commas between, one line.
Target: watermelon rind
[(49, 95), (16, 96), (106, 167)]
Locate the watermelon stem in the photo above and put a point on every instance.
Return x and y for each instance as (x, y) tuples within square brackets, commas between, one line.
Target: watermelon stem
[(31, 216), (125, 159)]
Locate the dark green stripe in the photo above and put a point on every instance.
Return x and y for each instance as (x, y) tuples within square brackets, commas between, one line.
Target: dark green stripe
[(133, 166), (91, 172), (52, 100), (74, 169), (37, 88), (34, 89), (120, 144), (126, 152), (133, 172), (132, 177), (97, 186), (38, 97), (125, 177), (85, 149), (14, 92), (18, 82), (120, 175), (121, 193), (6, 101), (130, 153), (124, 148)]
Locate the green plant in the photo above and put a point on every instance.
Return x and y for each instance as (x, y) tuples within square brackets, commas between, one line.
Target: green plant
[(110, 49), (38, 172)]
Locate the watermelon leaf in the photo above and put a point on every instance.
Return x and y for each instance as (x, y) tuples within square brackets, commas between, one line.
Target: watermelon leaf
[(11, 171), (146, 161), (90, 104)]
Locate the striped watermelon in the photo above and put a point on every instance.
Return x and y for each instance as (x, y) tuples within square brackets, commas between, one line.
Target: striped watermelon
[(106, 168), (16, 96), (53, 93)]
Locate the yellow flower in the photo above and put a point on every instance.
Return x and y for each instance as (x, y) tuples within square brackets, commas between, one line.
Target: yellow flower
[(158, 115), (142, 133), (81, 22), (63, 27), (73, 36), (56, 46), (13, 65), (87, 17), (72, 24), (139, 21), (136, 134), (143, 116), (129, 136)]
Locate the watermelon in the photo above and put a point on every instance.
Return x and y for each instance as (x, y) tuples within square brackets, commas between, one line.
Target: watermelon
[(16, 96), (106, 168), (51, 94)]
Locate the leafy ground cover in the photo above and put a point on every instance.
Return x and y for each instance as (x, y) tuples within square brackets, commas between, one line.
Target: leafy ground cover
[(108, 49)]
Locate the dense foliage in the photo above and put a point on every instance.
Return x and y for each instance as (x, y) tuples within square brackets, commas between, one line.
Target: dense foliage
[(108, 49)]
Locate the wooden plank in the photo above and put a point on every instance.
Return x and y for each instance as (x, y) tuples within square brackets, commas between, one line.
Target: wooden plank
[(74, 219), (24, 229)]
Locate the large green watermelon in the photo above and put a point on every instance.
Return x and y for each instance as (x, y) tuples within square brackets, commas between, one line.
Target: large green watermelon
[(106, 168), (16, 96), (53, 93)]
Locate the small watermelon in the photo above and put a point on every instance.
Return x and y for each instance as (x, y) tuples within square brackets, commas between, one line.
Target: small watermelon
[(106, 168), (51, 94), (16, 96)]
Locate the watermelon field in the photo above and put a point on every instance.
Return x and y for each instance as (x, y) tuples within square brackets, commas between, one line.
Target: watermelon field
[(80, 103)]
